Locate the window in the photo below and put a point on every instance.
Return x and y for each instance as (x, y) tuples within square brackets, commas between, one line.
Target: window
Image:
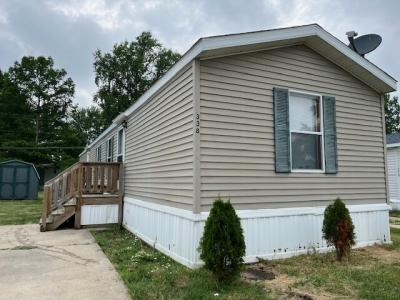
[(306, 136), (110, 151), (120, 155), (98, 153)]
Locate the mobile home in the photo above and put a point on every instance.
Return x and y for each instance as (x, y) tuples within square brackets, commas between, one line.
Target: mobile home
[(393, 163), (280, 122)]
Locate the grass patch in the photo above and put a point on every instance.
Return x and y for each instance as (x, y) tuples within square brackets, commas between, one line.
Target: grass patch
[(395, 236), (369, 273), (13, 212), (395, 213), (149, 274)]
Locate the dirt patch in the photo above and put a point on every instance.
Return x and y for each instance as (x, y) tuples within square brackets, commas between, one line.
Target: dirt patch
[(281, 283), (283, 287), (257, 272), (384, 254), (303, 277)]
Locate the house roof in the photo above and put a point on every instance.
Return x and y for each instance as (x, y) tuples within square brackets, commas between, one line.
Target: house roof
[(21, 162), (313, 36), (393, 139)]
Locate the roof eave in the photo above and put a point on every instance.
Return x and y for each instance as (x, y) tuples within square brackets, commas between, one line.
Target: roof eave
[(252, 38)]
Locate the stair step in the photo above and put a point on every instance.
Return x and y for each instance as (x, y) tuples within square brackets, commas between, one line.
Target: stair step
[(70, 202), (58, 220), (58, 211), (49, 219)]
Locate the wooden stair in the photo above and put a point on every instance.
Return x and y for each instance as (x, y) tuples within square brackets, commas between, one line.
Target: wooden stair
[(81, 184), (59, 217)]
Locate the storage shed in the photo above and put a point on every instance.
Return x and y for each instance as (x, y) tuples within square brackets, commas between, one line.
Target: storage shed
[(18, 180), (393, 162)]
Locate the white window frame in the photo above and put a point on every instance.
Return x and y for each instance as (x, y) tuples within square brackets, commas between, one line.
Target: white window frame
[(321, 133), (122, 153), (109, 149), (98, 153)]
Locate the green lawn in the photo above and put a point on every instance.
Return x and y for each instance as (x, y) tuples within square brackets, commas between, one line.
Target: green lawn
[(395, 213), (148, 274), (14, 212), (370, 273), (395, 236)]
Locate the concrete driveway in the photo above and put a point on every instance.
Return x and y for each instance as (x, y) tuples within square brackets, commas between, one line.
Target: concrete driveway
[(64, 264)]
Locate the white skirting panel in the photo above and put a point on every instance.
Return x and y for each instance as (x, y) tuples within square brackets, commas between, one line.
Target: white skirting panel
[(99, 214), (269, 233)]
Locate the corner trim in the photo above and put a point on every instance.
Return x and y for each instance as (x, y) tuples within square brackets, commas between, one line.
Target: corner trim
[(196, 136)]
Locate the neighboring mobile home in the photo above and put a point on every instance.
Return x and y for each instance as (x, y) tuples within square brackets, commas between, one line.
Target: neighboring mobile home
[(393, 163), (280, 122)]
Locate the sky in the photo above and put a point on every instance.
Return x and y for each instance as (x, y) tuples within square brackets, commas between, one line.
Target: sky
[(70, 31)]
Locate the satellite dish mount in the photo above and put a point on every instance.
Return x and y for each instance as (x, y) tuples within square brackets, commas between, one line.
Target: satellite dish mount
[(363, 44)]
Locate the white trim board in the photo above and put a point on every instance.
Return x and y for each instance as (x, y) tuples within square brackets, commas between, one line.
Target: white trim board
[(247, 214), (269, 233), (393, 145), (204, 48)]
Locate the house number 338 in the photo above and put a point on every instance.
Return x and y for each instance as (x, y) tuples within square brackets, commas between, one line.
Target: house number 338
[(197, 123)]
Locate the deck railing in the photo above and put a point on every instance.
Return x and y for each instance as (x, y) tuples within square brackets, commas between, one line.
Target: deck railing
[(82, 178)]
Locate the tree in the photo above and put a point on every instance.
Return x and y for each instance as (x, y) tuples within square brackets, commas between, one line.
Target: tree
[(126, 72), (16, 121), (48, 91), (47, 94), (392, 114), (88, 122), (338, 228), (222, 246)]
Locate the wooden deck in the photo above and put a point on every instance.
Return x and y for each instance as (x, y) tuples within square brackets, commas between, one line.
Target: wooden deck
[(84, 183)]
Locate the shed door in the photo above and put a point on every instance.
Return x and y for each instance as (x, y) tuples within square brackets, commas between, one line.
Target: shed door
[(14, 182)]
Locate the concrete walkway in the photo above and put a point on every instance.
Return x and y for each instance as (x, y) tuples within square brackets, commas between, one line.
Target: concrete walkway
[(64, 264)]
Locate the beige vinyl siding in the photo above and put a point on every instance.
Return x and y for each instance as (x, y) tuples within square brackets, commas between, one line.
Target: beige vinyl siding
[(237, 133), (83, 156), (103, 142), (159, 146)]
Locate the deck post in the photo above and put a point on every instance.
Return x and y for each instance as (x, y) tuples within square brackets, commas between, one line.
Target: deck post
[(121, 193), (45, 208), (78, 205)]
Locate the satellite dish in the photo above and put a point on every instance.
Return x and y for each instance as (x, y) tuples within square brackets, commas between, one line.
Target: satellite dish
[(363, 44)]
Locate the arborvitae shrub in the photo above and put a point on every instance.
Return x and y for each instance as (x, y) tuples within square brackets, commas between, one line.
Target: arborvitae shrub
[(338, 228), (222, 246)]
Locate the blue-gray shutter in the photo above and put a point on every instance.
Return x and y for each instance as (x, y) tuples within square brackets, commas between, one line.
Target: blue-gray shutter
[(330, 144), (282, 132)]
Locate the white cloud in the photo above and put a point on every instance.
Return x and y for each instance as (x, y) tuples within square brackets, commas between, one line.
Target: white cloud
[(84, 96), (106, 15), (71, 30)]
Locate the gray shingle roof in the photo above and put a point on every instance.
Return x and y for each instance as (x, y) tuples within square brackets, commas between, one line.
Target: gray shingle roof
[(393, 138)]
